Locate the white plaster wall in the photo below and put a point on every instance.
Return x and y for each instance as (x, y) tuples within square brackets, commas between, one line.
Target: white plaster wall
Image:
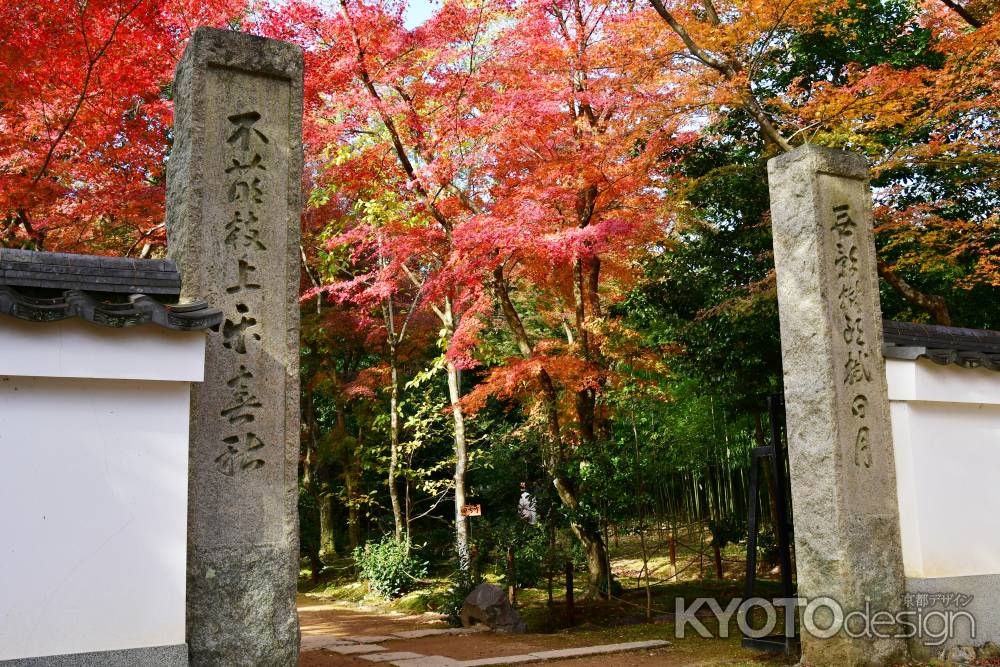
[(74, 348), (93, 486), (946, 437)]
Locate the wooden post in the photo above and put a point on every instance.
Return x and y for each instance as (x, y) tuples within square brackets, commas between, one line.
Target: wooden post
[(718, 558), (511, 581)]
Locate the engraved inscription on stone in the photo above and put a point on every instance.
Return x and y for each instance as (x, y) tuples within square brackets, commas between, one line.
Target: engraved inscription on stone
[(239, 454), (237, 333), (862, 452), (241, 408), (243, 450), (244, 270), (243, 230), (857, 363), (245, 129)]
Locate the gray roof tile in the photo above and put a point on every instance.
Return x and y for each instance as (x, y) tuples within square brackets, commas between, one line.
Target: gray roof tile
[(110, 291), (969, 348)]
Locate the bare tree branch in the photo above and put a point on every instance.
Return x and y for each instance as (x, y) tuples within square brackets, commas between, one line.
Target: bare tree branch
[(91, 65), (933, 304), (727, 69), (964, 13)]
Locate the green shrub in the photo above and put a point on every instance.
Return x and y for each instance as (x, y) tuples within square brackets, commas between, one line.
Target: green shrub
[(389, 567), (531, 558), (460, 584)]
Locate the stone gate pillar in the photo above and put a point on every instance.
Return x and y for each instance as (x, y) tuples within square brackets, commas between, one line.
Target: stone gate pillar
[(233, 202), (847, 544)]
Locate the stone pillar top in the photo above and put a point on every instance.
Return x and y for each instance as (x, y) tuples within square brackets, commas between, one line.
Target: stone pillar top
[(822, 159), (240, 50)]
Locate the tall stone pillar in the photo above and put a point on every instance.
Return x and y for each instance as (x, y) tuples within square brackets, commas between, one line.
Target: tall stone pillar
[(233, 202), (847, 543)]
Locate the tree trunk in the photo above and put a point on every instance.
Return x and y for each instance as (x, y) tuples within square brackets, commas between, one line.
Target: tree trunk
[(351, 488), (933, 304), (316, 565), (597, 561), (645, 571), (407, 502), (461, 453), (327, 544), (461, 466), (550, 559), (511, 581), (590, 538), (673, 549), (397, 514)]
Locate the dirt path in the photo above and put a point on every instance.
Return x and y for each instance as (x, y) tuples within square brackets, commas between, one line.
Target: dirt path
[(332, 621)]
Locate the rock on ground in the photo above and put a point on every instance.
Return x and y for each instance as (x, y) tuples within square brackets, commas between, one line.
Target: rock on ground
[(488, 604)]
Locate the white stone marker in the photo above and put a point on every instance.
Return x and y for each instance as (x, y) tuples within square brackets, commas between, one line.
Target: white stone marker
[(233, 204), (839, 435)]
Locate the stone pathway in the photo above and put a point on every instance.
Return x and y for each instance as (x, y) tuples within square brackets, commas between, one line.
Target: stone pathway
[(370, 648), (369, 643)]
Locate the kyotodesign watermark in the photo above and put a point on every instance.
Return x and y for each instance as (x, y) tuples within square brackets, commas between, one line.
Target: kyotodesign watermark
[(824, 617)]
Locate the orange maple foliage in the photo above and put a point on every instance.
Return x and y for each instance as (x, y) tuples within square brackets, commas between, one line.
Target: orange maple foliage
[(721, 53)]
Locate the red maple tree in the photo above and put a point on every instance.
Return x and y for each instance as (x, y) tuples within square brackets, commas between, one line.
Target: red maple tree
[(85, 118)]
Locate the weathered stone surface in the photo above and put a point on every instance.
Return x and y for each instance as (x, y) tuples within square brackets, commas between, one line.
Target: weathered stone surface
[(417, 634), (355, 649), (427, 661), (601, 649), (150, 656), (563, 653), (501, 660), (981, 593), (233, 204), (488, 604), (438, 632), (318, 642), (369, 639), (839, 437), (389, 657)]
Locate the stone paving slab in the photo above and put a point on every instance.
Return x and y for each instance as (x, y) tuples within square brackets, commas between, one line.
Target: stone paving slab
[(437, 632), (367, 648), (419, 634), (428, 661), (317, 642), (353, 649), (557, 654), (599, 650), (394, 655), (500, 660), (369, 639), (539, 656)]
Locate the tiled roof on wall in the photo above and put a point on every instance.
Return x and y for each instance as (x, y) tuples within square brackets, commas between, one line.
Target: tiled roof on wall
[(109, 291), (970, 348)]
